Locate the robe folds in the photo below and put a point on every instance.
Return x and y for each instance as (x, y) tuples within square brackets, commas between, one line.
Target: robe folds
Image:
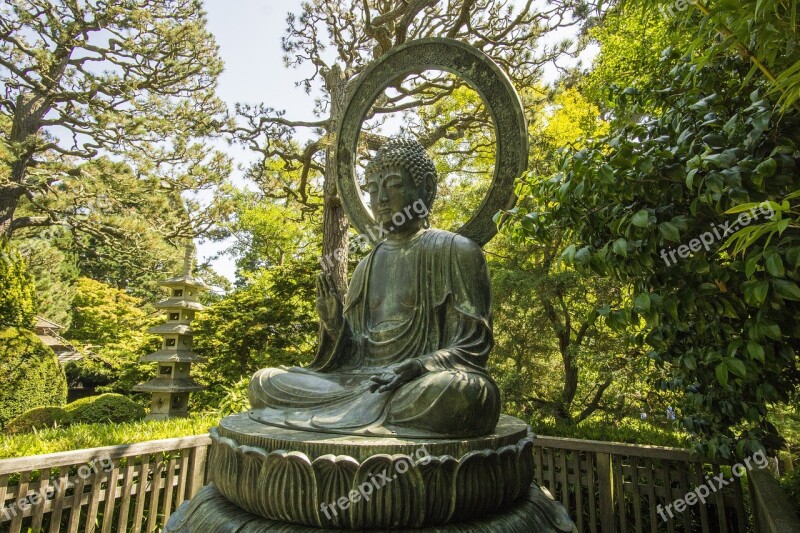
[(448, 330)]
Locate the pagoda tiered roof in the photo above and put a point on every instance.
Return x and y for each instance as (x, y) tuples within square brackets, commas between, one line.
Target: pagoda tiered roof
[(173, 356), (171, 327), (185, 280), (179, 302), (169, 385)]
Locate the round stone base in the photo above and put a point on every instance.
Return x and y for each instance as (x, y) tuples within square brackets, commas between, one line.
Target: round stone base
[(356, 482), (210, 511)]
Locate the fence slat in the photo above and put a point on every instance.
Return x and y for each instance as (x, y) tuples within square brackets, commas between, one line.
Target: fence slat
[(108, 508), (170, 488), (183, 479), (562, 461), (637, 497), (619, 491), (720, 501), (739, 503), (606, 486), (38, 509), (197, 471), (127, 488), (75, 510), (94, 500), (141, 493), (576, 467), (58, 502), (22, 492), (591, 463), (155, 492)]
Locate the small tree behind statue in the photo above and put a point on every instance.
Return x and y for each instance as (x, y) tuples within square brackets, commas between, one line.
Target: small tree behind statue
[(173, 384)]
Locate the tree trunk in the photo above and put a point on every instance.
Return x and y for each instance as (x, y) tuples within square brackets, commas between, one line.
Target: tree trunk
[(335, 239), (9, 198), (26, 122)]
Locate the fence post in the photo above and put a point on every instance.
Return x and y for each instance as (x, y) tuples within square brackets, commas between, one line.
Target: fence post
[(606, 485), (197, 471)]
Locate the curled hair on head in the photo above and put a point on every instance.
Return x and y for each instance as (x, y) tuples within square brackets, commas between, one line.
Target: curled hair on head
[(407, 153)]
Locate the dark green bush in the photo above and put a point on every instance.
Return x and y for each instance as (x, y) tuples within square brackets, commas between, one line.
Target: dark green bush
[(114, 408), (30, 375), (791, 485), (37, 418)]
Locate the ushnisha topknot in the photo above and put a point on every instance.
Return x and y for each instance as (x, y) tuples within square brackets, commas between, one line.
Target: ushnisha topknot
[(404, 152)]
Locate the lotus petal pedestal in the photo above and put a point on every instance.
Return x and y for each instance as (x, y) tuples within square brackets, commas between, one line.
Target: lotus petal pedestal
[(266, 478)]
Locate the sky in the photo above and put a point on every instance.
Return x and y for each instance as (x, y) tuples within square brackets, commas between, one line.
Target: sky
[(249, 33)]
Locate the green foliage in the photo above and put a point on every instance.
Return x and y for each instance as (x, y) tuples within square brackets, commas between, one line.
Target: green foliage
[(108, 408), (54, 272), (36, 419), (112, 327), (631, 36), (268, 322), (790, 483), (612, 429), (80, 436), (157, 112), (765, 31), (235, 399), (725, 327), (269, 235), (30, 374), (17, 290)]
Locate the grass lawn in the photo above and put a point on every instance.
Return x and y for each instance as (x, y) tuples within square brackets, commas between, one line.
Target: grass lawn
[(78, 436)]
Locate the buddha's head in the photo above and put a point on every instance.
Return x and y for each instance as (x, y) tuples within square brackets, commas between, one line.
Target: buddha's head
[(401, 181)]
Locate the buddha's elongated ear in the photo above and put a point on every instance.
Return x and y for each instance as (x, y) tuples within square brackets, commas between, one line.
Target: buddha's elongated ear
[(430, 188)]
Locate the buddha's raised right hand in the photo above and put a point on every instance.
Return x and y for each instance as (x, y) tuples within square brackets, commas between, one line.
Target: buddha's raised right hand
[(329, 304)]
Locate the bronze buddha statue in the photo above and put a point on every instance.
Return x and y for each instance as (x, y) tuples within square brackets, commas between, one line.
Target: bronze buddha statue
[(407, 350)]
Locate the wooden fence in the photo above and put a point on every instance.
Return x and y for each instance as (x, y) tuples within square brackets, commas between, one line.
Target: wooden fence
[(606, 487), (113, 489), (624, 487)]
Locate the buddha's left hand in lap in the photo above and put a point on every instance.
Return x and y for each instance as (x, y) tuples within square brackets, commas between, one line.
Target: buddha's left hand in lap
[(403, 373)]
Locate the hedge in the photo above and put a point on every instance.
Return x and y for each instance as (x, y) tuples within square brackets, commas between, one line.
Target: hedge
[(114, 408), (30, 374), (37, 418)]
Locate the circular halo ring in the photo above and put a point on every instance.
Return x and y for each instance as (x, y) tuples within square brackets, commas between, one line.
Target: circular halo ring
[(483, 75)]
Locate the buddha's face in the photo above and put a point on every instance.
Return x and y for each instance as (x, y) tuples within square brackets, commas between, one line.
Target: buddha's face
[(397, 202)]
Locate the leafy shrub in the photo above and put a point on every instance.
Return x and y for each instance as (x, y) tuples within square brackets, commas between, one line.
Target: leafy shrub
[(791, 486), (114, 408), (17, 290), (37, 418), (721, 319), (30, 374), (627, 430)]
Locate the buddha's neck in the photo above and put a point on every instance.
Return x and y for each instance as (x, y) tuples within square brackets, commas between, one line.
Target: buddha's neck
[(400, 239)]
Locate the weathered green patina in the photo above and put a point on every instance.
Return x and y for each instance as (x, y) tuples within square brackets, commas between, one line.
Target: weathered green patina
[(411, 351), (401, 365)]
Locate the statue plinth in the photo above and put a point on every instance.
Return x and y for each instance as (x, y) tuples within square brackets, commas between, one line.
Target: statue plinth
[(267, 478)]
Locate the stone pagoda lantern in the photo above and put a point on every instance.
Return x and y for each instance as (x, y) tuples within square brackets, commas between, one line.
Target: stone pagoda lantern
[(172, 385)]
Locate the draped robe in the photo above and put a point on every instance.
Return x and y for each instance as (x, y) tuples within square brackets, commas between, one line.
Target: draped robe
[(448, 329)]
